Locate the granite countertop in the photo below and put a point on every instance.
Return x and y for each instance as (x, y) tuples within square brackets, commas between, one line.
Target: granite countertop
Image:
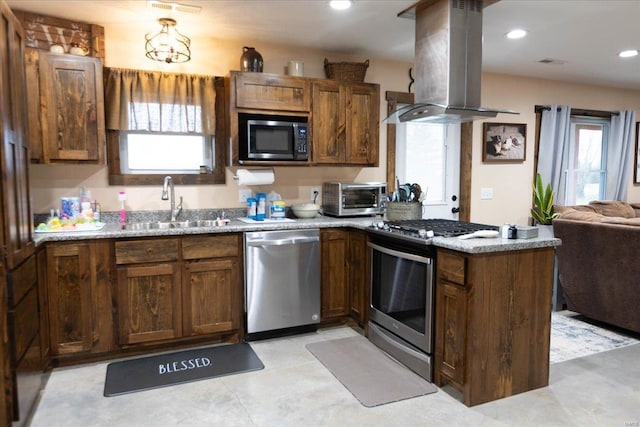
[(113, 230)]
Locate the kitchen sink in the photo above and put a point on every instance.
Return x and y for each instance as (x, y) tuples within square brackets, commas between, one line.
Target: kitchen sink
[(162, 225)]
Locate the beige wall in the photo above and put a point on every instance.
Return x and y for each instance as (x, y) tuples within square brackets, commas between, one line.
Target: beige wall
[(510, 182)]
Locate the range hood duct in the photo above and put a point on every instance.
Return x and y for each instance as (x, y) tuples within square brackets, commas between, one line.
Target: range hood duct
[(448, 63)]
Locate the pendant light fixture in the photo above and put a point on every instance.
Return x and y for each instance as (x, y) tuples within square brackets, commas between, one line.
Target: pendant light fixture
[(167, 45)]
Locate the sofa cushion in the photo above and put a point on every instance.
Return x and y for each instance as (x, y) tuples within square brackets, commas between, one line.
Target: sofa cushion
[(581, 215), (584, 208), (613, 208), (620, 220)]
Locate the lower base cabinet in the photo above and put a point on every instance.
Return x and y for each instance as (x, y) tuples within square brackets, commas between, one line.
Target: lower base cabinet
[(179, 287), (344, 271), (493, 322), (78, 278)]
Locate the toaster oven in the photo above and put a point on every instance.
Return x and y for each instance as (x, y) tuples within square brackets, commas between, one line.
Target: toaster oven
[(353, 199)]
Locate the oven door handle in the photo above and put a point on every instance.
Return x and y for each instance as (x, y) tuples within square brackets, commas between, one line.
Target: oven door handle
[(399, 254)]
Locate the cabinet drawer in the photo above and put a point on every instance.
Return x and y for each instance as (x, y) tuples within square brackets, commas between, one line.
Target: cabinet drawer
[(198, 247), (139, 251), (451, 267)]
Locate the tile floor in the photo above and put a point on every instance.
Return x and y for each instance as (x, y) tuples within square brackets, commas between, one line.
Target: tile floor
[(294, 389)]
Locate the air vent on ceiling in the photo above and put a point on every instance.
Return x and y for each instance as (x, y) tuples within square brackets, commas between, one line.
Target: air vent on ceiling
[(552, 61), (174, 7)]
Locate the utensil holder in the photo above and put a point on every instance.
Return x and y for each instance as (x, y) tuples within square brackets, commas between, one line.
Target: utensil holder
[(397, 211)]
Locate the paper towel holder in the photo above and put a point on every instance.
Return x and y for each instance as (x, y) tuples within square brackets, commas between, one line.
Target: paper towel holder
[(269, 173)]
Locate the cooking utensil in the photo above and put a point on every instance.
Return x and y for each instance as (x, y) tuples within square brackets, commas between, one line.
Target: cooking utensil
[(416, 190)]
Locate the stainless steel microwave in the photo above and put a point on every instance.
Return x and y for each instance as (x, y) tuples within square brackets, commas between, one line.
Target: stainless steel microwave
[(268, 137), (353, 199)]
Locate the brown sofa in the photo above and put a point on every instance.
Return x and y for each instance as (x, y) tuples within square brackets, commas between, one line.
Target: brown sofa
[(599, 261)]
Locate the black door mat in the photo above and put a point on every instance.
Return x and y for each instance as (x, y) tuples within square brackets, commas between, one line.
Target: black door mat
[(168, 369)]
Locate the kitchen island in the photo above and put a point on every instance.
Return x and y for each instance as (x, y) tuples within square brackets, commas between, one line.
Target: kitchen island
[(492, 313)]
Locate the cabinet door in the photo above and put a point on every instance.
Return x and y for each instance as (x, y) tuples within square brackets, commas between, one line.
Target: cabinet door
[(451, 333), (335, 289), (329, 132), (272, 92), (69, 292), (72, 104), (363, 105), (358, 274), (16, 217), (210, 296), (149, 302)]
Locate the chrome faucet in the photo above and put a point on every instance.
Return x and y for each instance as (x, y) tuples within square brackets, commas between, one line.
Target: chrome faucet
[(175, 211)]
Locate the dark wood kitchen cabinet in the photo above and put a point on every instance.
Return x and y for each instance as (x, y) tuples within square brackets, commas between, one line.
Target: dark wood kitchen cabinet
[(273, 92), (212, 284), (179, 287), (67, 125), (345, 127), (263, 93), (16, 223), (78, 279), (358, 258), (333, 272), (492, 322), (149, 296), (344, 274)]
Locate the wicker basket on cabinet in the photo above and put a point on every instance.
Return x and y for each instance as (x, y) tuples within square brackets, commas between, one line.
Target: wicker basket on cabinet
[(346, 71)]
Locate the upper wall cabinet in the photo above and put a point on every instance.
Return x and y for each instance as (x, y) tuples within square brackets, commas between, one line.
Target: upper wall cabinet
[(345, 122), (271, 92), (68, 124), (343, 117)]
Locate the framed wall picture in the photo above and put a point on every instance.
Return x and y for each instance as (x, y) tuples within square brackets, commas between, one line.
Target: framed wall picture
[(504, 142), (636, 162)]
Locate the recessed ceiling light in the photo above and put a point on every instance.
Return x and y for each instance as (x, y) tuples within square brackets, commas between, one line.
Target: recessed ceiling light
[(340, 4), (628, 53), (516, 34)]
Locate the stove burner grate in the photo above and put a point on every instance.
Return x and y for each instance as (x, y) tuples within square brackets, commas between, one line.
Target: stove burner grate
[(440, 227)]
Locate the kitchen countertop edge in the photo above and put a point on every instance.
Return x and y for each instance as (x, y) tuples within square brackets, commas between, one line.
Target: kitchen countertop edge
[(480, 245)]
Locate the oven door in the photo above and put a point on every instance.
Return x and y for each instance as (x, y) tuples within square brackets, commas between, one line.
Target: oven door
[(402, 292)]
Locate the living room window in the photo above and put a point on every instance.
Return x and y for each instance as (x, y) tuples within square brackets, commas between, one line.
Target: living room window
[(586, 171)]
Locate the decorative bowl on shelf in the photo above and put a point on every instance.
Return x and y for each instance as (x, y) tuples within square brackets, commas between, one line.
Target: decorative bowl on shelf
[(305, 210)]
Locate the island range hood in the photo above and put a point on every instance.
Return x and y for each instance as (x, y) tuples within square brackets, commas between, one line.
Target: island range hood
[(448, 63)]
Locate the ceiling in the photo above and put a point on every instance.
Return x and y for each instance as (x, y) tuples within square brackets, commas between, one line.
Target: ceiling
[(582, 37)]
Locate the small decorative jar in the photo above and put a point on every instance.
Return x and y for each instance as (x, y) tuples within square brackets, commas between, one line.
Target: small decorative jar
[(251, 60)]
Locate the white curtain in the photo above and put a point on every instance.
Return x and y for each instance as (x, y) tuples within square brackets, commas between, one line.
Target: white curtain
[(620, 149), (553, 150)]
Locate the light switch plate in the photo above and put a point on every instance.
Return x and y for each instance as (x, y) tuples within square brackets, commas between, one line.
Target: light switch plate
[(486, 193)]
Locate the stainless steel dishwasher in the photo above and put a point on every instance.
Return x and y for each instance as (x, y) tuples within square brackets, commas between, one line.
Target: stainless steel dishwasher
[(282, 279)]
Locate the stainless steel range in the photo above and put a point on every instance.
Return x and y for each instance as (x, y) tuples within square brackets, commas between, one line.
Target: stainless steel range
[(401, 309)]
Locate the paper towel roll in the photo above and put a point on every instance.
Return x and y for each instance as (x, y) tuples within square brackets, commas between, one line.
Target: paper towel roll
[(255, 176)]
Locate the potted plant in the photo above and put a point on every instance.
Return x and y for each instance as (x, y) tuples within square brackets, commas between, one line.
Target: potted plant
[(542, 211)]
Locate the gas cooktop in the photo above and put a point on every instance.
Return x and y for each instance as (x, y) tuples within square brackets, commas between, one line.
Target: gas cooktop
[(427, 228)]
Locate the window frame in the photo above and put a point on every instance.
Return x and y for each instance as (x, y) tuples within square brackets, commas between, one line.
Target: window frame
[(576, 122), (218, 147), (207, 141)]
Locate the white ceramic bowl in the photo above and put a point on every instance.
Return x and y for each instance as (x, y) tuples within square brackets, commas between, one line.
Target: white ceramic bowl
[(305, 210)]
